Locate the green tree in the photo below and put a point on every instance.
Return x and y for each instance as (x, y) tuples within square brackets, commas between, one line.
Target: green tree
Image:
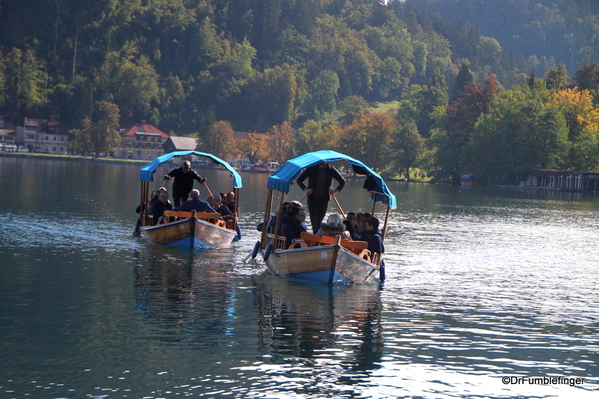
[(80, 139), (408, 146), (273, 96), (352, 108), (459, 121), (130, 81), (461, 79), (434, 95), (587, 78), (322, 95), (25, 83), (306, 137), (2, 81), (557, 78), (104, 133), (389, 79), (519, 134)]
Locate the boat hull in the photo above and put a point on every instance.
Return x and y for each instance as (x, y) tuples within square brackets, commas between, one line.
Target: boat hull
[(189, 233), (322, 265)]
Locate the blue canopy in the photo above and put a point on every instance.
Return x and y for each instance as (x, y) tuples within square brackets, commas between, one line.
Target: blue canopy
[(147, 172), (291, 169)]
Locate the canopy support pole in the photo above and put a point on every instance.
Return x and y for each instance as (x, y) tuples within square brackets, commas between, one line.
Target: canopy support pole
[(386, 219), (266, 217), (235, 206), (279, 213), (143, 201)]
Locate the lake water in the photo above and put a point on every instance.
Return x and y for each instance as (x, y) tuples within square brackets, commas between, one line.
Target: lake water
[(486, 290)]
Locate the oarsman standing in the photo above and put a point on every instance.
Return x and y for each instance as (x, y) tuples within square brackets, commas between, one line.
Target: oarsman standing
[(183, 184)]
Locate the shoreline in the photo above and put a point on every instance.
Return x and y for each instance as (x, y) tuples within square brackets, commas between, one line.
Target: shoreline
[(79, 158)]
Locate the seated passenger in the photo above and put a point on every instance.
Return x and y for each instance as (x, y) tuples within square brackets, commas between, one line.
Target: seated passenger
[(195, 203), (230, 201), (333, 227), (374, 237), (362, 231), (216, 202), (163, 204), (351, 217), (349, 226), (153, 199), (271, 223), (292, 223)]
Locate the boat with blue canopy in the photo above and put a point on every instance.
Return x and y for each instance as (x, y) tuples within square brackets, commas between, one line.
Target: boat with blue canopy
[(321, 259), (187, 229)]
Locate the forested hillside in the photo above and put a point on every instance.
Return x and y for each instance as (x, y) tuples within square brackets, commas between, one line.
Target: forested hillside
[(184, 64), (305, 71), (545, 33)]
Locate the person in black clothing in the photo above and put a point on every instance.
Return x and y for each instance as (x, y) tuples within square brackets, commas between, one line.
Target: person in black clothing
[(373, 236), (216, 201), (183, 184), (229, 201), (319, 191), (163, 204), (292, 224)]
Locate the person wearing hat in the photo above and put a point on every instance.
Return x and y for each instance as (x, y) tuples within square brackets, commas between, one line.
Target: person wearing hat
[(319, 191), (183, 184)]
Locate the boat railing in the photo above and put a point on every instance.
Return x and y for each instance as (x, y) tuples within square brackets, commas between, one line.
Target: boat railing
[(278, 242), (209, 217)]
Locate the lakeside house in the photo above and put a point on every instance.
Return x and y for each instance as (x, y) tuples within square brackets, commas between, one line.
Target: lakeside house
[(7, 137), (176, 143), (556, 180), (43, 135), (141, 141)]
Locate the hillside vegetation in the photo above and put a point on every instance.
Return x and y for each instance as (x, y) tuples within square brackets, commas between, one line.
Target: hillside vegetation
[(308, 72)]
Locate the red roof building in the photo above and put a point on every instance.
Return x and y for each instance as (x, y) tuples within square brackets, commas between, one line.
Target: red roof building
[(142, 141)]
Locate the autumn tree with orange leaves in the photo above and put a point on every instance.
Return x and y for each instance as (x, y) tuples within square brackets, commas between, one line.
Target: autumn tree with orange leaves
[(280, 140), (219, 140), (368, 139), (582, 119), (255, 147)]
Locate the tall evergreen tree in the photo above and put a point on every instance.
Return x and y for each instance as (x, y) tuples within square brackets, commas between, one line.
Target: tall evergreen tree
[(461, 80)]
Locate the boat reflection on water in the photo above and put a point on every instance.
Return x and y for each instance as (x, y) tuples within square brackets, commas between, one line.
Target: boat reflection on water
[(184, 298), (332, 323)]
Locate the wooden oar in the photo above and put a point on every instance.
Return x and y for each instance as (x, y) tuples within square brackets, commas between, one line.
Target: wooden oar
[(303, 198), (339, 206), (207, 188)]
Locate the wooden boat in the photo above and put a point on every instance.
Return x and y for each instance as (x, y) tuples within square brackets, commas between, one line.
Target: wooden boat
[(187, 229), (322, 259)]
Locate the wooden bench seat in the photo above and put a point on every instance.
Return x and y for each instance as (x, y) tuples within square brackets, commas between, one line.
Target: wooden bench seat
[(328, 240), (187, 215)]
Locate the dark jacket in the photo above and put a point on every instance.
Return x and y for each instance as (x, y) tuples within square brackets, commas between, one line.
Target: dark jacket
[(158, 209), (312, 172), (291, 228), (374, 238), (183, 183), (195, 204), (224, 210)]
